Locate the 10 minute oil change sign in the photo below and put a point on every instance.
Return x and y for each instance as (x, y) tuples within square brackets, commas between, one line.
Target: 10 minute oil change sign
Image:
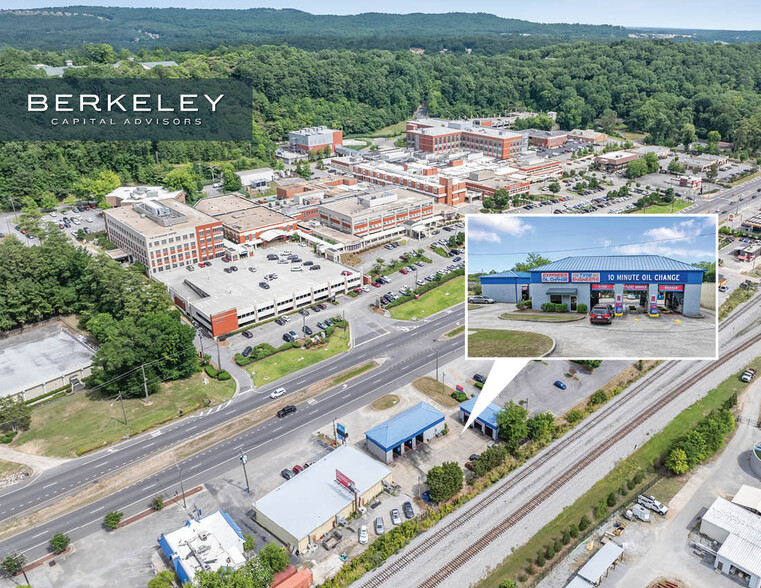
[(126, 110)]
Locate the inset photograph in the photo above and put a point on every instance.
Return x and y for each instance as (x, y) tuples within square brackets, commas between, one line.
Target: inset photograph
[(592, 287)]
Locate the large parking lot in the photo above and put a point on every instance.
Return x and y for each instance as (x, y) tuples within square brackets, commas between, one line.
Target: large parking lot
[(632, 335)]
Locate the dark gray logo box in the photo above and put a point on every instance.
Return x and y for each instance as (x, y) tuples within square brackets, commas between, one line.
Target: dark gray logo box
[(125, 110)]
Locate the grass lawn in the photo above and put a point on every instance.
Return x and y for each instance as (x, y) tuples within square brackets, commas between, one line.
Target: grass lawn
[(385, 402), (475, 306), (281, 364), (499, 343), (454, 332), (436, 391), (395, 129), (664, 208), (354, 373), (444, 296), (641, 460), (736, 298), (745, 179), (85, 421), (544, 318)]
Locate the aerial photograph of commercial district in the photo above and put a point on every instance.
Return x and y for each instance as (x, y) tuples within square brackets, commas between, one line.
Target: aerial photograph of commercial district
[(248, 250), (618, 272)]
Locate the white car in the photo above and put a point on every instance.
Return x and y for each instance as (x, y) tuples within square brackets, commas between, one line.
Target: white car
[(53, 214), (396, 518), (286, 252), (277, 393), (89, 219), (363, 534), (365, 288)]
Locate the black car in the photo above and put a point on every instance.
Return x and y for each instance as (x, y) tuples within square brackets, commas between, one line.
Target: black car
[(407, 508), (304, 312), (247, 351), (288, 338), (479, 378), (279, 321), (474, 456), (264, 285), (314, 267), (329, 322), (315, 308), (308, 263), (286, 410), (296, 260), (601, 313), (307, 330), (287, 474), (247, 334), (272, 256), (234, 268)]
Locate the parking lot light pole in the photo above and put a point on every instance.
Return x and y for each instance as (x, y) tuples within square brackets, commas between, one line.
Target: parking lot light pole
[(243, 460)]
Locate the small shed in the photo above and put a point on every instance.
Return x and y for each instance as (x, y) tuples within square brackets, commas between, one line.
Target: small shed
[(596, 569)]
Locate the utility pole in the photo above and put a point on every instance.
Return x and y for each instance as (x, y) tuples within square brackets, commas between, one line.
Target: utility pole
[(335, 435), (243, 460), (200, 339), (219, 356), (145, 383), (124, 412), (182, 487)]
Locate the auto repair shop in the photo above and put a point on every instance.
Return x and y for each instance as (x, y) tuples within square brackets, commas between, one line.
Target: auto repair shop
[(650, 281), (506, 286)]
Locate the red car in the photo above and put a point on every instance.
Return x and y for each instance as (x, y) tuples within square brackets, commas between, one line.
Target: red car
[(404, 271), (346, 273), (297, 469), (376, 285), (357, 290), (202, 264)]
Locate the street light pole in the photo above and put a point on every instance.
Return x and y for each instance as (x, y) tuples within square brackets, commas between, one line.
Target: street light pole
[(219, 356), (243, 460), (145, 383)]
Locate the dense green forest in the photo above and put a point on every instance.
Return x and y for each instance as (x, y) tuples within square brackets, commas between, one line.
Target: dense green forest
[(185, 29), (657, 87)]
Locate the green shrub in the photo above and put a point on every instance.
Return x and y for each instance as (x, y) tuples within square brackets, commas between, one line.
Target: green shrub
[(479, 385), (600, 510), (158, 502), (584, 522), (598, 398), (639, 477), (211, 371), (540, 559), (112, 520), (249, 543), (611, 500), (59, 542), (574, 416), (573, 531), (558, 545), (549, 552), (242, 360), (581, 308), (223, 375), (566, 537)]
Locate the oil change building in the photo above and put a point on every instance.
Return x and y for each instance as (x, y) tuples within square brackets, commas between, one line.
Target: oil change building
[(507, 286), (650, 279)]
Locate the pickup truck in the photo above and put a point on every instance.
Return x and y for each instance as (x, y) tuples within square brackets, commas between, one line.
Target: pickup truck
[(748, 375)]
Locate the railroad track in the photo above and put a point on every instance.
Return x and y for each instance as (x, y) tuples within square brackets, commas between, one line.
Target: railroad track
[(468, 514)]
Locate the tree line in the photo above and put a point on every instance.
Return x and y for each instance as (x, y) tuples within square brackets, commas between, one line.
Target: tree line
[(669, 91)]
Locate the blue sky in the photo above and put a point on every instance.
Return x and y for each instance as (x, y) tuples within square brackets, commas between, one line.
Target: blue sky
[(705, 14), (498, 242)]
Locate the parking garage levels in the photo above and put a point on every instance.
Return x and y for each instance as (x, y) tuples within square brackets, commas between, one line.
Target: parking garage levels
[(649, 278), (223, 301)]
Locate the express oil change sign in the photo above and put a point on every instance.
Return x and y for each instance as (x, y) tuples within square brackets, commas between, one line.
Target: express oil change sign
[(126, 110)]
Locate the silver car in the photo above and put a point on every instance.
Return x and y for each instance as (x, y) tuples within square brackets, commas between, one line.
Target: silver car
[(379, 526), (396, 518)]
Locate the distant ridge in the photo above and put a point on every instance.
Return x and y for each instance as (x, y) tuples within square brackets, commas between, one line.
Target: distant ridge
[(185, 29)]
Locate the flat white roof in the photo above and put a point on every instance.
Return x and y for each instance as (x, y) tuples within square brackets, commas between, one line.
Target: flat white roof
[(210, 543), (743, 545), (313, 497), (748, 497)]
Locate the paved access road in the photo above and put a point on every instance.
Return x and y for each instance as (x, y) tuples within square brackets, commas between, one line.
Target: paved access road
[(409, 350)]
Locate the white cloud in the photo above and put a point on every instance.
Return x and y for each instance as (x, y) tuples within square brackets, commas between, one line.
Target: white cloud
[(672, 241), (490, 229)]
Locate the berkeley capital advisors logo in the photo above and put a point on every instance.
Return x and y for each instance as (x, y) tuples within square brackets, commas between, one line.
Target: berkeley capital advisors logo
[(127, 110)]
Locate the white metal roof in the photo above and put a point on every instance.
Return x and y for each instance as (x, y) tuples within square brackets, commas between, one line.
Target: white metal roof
[(578, 582), (600, 562), (743, 545), (313, 497), (748, 497)]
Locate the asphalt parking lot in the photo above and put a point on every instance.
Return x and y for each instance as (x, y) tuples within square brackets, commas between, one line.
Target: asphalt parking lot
[(635, 336)]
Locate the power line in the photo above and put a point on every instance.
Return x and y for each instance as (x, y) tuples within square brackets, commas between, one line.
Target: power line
[(598, 246)]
